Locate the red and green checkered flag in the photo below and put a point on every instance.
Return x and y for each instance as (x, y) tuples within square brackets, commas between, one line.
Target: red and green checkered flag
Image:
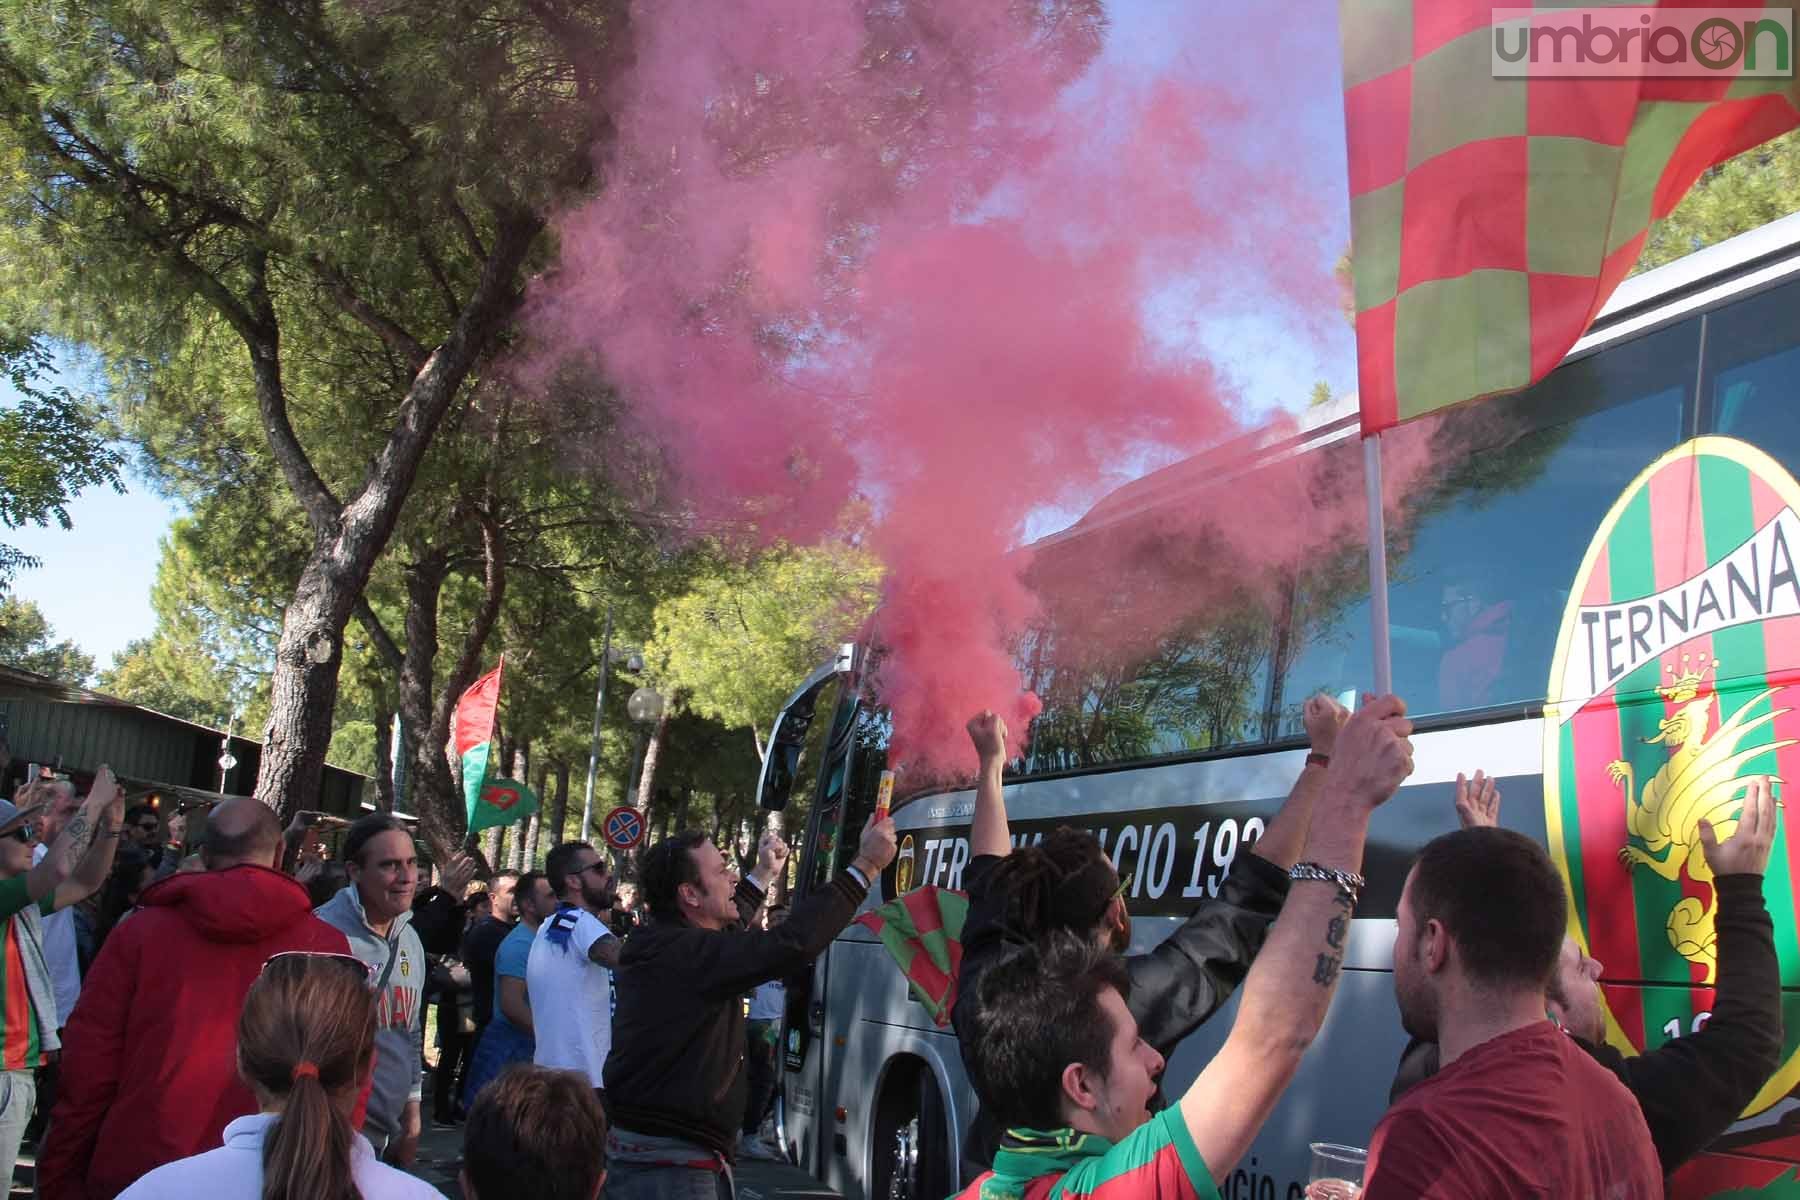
[(923, 931), (1492, 217)]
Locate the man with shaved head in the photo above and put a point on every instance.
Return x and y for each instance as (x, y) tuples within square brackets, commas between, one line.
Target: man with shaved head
[(150, 1058)]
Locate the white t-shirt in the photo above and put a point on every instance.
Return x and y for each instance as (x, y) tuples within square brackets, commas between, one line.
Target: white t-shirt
[(234, 1171), (571, 996), (768, 1001), (59, 952)]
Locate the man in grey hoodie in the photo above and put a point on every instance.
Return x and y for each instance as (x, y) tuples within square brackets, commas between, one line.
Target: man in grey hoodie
[(375, 914)]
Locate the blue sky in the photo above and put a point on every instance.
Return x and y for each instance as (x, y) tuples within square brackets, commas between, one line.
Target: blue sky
[(95, 582)]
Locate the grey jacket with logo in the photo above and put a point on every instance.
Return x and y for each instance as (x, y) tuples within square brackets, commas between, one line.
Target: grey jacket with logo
[(399, 1011)]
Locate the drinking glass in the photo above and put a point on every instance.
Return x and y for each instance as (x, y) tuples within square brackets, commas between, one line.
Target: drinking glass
[(1337, 1172)]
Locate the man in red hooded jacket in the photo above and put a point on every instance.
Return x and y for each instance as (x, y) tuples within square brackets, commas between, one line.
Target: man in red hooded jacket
[(149, 1066)]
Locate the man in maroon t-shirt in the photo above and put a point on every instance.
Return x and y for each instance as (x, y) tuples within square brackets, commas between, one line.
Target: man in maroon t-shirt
[(1516, 1109)]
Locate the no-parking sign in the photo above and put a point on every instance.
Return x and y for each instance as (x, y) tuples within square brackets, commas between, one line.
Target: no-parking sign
[(623, 827)]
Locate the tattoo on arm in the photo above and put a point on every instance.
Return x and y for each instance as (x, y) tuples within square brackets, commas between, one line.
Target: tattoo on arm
[(79, 835), (1327, 966)]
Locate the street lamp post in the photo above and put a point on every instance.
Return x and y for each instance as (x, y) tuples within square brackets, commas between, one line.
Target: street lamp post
[(587, 804), (227, 759)]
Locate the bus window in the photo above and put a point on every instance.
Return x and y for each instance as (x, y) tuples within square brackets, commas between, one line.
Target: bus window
[(1753, 372), (1479, 567), (1200, 686)]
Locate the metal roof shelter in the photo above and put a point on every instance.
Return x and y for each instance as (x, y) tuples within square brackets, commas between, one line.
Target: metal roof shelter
[(75, 730)]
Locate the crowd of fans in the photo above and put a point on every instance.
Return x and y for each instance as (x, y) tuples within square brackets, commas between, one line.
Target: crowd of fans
[(249, 1019)]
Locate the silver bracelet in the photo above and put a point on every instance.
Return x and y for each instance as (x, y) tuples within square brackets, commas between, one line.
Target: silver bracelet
[(1348, 882)]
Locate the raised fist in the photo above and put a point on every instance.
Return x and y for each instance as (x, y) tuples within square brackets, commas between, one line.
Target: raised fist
[(1373, 752), (878, 845), (987, 730), (1324, 716), (771, 855)]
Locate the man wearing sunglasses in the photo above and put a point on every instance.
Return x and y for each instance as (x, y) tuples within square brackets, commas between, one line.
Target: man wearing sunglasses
[(149, 1075), (76, 864), (568, 974)]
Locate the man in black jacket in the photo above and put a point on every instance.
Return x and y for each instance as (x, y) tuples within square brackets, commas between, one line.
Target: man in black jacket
[(675, 1076), (1067, 882), (1693, 1087)]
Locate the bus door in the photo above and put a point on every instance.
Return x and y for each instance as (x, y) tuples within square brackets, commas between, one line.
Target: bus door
[(798, 741)]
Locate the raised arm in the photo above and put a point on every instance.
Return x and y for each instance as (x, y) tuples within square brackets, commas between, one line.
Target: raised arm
[(77, 862), (1291, 983), (1691, 1088), (1286, 834), (742, 960), (988, 833)]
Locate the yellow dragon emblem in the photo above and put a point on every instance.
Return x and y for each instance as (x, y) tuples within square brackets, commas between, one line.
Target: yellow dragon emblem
[(1700, 782)]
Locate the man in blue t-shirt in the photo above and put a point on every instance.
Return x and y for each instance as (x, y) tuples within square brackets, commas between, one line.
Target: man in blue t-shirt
[(508, 1037)]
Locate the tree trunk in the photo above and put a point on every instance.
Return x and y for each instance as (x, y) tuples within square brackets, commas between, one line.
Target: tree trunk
[(350, 537), (681, 808), (559, 806), (384, 760), (490, 844), (303, 691), (652, 754)]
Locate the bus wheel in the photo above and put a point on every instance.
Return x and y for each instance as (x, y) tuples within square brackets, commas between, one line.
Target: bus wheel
[(911, 1148)]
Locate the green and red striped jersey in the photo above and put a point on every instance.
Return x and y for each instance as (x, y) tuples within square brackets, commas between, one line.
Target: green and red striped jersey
[(1157, 1161), (20, 1047)]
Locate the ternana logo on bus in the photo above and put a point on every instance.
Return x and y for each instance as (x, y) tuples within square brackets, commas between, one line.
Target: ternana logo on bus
[(1642, 41), (1674, 683)]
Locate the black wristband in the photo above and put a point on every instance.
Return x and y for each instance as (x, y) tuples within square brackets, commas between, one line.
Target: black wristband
[(1315, 759)]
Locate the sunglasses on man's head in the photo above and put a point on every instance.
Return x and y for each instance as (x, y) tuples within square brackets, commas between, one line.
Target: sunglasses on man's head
[(365, 972)]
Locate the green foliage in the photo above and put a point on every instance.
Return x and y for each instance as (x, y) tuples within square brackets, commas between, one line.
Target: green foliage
[(1756, 187), (51, 447), (216, 626), (27, 642), (744, 634)]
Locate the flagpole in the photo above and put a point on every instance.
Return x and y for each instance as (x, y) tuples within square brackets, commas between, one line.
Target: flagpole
[(1378, 581), (587, 805)]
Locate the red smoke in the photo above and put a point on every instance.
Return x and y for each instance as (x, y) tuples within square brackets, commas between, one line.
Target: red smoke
[(908, 251)]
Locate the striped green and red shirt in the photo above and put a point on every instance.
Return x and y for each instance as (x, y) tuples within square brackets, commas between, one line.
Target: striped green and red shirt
[(20, 1047), (1158, 1161)]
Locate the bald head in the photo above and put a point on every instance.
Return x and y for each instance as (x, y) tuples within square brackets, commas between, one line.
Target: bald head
[(241, 830)]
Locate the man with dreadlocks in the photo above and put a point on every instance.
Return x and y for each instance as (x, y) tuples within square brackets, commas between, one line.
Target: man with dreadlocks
[(1067, 883)]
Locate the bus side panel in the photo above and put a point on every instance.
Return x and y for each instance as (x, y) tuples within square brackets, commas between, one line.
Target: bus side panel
[(1757, 1156), (879, 1023)]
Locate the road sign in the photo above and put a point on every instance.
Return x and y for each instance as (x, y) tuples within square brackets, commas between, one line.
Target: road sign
[(623, 827)]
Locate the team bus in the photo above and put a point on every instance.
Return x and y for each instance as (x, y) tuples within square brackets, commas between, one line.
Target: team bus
[(1595, 601)]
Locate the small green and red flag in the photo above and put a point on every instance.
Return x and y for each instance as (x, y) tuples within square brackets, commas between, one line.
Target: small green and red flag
[(487, 801), (1492, 215), (923, 932)]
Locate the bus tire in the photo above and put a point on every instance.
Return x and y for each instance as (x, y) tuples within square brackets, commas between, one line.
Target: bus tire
[(911, 1149)]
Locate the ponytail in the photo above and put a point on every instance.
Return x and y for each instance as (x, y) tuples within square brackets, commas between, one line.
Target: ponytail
[(306, 1154), (306, 1039)]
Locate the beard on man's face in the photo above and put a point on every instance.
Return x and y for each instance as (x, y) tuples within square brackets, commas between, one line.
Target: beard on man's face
[(598, 896), (1418, 1013)]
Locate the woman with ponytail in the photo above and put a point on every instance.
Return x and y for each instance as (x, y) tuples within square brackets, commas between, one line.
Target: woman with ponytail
[(306, 1044)]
